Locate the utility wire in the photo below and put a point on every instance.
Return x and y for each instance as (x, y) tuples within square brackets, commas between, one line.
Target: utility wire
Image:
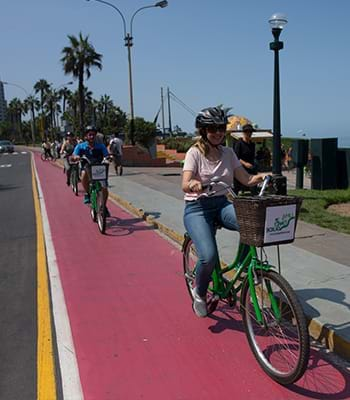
[(181, 103)]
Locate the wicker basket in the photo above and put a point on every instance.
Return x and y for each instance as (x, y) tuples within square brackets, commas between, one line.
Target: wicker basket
[(252, 217)]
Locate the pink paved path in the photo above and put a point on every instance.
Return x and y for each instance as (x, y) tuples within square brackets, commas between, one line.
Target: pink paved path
[(134, 331)]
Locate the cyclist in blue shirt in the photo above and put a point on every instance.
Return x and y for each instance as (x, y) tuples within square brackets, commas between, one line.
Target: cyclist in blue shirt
[(95, 152)]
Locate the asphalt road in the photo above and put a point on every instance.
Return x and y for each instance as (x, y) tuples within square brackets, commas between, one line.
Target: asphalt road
[(17, 279)]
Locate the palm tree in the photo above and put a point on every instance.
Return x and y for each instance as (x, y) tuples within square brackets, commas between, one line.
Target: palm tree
[(32, 104), (15, 110), (77, 60), (52, 106), (42, 86), (64, 93)]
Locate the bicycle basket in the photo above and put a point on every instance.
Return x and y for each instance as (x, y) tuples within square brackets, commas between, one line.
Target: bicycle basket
[(99, 172), (268, 220)]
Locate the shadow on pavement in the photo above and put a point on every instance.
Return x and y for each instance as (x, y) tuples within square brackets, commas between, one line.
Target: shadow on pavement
[(154, 214), (322, 379), (8, 187), (123, 227), (327, 295)]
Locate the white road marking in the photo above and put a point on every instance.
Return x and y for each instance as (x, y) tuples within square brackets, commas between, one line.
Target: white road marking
[(5, 165), (71, 385), (14, 153)]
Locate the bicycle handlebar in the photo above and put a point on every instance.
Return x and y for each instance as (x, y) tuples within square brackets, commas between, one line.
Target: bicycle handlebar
[(104, 161), (228, 188)]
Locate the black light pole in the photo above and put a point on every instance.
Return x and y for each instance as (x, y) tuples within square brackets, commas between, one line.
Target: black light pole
[(277, 22), (128, 39)]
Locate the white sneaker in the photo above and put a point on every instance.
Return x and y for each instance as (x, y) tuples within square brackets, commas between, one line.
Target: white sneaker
[(199, 304)]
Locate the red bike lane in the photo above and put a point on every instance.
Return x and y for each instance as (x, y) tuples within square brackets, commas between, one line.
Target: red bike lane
[(133, 328)]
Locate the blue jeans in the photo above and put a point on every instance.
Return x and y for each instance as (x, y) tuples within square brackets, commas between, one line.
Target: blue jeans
[(200, 218)]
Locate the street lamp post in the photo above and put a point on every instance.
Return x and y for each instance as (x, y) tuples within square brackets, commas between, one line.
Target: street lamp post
[(128, 38), (277, 22)]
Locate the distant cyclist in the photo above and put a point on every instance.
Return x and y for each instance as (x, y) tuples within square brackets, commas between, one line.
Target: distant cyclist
[(66, 151), (95, 152), (116, 148), (46, 146)]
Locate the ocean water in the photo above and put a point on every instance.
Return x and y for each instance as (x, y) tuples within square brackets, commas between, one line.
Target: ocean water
[(343, 141)]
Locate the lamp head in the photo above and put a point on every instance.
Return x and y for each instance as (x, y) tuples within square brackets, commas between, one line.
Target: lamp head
[(278, 20), (161, 4)]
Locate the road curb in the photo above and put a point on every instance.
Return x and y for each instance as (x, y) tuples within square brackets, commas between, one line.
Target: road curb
[(317, 330)]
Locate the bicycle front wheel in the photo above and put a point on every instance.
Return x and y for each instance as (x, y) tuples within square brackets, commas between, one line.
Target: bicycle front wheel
[(280, 342), (101, 213), (190, 260)]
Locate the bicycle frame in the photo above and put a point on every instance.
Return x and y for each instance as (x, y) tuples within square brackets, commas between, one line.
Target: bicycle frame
[(95, 187), (250, 264)]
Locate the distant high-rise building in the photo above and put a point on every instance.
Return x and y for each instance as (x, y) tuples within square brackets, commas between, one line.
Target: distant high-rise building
[(2, 103)]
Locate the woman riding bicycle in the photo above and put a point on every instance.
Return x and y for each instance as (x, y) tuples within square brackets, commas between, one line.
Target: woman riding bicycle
[(207, 159)]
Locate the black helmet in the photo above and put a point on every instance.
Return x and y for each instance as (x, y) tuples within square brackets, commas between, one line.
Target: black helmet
[(69, 134), (90, 128), (212, 116)]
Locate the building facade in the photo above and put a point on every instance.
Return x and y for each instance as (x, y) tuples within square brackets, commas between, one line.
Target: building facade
[(2, 103)]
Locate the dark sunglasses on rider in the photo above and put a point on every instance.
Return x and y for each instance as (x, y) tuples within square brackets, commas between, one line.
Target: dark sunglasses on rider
[(216, 128)]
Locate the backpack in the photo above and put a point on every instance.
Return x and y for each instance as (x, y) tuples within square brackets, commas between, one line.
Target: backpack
[(114, 148)]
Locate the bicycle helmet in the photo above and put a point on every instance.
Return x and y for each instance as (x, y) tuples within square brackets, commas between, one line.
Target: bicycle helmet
[(90, 128), (212, 116), (69, 134)]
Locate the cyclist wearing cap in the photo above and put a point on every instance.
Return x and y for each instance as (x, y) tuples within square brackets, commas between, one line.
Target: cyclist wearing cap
[(207, 159), (66, 151), (95, 152)]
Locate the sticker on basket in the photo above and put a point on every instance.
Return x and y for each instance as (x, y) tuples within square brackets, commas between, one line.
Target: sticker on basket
[(98, 172), (280, 223)]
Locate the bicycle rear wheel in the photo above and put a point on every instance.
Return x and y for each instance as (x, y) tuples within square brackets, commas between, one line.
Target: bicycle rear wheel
[(281, 342), (74, 180), (93, 205), (101, 213), (190, 261)]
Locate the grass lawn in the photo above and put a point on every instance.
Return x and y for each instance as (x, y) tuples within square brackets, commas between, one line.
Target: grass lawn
[(314, 208)]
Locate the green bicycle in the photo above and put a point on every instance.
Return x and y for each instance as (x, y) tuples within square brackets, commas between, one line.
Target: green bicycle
[(98, 175), (274, 321), (74, 177), (74, 174)]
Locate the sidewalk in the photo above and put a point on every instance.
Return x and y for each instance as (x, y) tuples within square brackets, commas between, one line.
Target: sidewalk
[(316, 264)]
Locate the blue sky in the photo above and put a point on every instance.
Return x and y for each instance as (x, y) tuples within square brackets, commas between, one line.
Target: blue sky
[(207, 52)]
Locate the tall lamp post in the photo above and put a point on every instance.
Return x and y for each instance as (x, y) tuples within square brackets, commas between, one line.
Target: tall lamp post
[(277, 22), (128, 38)]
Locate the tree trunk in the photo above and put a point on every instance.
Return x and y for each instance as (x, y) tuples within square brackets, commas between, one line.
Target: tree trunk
[(81, 101)]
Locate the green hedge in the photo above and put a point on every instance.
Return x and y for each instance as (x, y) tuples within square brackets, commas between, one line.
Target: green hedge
[(180, 144)]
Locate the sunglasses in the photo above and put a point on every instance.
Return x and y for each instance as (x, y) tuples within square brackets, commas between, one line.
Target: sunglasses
[(216, 128)]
